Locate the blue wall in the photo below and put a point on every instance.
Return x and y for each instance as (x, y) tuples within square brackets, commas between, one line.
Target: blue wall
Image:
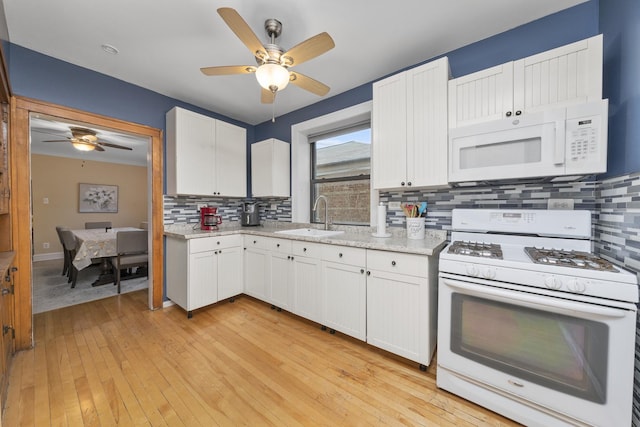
[(620, 24), (38, 76), (547, 33)]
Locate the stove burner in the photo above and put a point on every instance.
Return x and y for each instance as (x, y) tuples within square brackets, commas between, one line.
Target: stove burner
[(575, 259), (477, 249)]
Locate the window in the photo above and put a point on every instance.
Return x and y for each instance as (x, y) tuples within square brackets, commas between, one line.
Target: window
[(340, 171)]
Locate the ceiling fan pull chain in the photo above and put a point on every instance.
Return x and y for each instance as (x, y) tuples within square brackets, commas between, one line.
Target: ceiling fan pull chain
[(273, 108)]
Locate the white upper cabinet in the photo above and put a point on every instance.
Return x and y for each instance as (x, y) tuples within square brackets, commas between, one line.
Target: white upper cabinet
[(270, 168), (205, 156), (567, 75), (410, 128)]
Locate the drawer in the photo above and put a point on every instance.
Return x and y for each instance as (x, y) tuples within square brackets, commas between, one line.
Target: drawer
[(212, 243), (282, 246), (344, 255), (257, 242), (395, 262), (311, 250)]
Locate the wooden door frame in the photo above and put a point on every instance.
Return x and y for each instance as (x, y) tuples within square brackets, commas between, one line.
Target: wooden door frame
[(20, 165)]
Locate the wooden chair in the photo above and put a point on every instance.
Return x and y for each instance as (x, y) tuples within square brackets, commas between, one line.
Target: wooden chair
[(132, 250), (65, 252), (70, 245), (97, 224)]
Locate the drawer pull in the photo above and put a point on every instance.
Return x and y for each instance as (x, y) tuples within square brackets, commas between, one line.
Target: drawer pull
[(304, 249), (340, 255), (278, 245), (393, 263), (362, 271)]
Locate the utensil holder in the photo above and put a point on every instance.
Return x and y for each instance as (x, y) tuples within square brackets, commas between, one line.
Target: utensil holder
[(415, 228)]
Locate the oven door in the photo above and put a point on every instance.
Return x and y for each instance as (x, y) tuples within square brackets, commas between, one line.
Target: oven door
[(570, 357)]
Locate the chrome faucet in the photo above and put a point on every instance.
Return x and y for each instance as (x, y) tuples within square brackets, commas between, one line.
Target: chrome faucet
[(326, 210)]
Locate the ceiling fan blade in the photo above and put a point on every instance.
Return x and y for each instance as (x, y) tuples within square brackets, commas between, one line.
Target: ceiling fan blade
[(58, 140), (243, 31), (308, 49), (98, 148), (228, 69), (267, 97), (107, 144), (307, 83)]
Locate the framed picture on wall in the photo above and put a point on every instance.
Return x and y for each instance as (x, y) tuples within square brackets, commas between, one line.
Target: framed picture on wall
[(98, 198)]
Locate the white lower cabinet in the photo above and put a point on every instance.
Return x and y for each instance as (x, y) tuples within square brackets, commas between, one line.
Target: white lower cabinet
[(256, 267), (280, 280), (344, 290), (402, 304), (306, 280), (203, 271)]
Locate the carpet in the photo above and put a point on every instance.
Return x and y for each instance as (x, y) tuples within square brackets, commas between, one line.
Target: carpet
[(51, 290)]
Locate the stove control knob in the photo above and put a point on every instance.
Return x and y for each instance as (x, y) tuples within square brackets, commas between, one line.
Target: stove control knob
[(472, 270), (489, 273), (576, 285), (552, 282)]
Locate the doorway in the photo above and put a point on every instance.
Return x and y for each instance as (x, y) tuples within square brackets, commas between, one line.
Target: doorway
[(62, 177), (21, 110)]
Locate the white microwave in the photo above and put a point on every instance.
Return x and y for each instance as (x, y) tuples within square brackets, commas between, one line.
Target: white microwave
[(564, 143)]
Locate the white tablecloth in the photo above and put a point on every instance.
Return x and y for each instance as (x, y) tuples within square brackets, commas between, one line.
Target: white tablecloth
[(96, 243)]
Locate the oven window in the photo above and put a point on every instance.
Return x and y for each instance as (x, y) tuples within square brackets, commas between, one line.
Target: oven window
[(563, 353)]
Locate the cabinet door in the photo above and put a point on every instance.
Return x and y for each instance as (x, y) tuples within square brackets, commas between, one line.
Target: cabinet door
[(230, 160), (307, 295), (568, 75), (256, 272), (190, 153), (203, 286), (229, 272), (389, 132), (270, 169), (7, 343), (281, 281), (344, 298), (427, 142), (482, 96), (398, 315)]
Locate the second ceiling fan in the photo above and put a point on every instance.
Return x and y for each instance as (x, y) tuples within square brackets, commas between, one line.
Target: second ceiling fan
[(272, 70)]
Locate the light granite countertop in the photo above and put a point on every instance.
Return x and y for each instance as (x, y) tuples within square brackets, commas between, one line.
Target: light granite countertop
[(360, 237)]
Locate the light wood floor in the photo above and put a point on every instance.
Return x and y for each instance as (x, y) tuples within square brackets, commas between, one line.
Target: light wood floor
[(114, 362)]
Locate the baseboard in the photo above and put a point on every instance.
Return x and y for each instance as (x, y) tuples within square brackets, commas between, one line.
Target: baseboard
[(48, 257), (167, 303)]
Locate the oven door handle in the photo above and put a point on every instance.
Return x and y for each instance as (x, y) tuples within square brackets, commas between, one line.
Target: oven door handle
[(538, 302)]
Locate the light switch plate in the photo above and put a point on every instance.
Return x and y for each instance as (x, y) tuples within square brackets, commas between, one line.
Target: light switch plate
[(560, 204), (394, 205)]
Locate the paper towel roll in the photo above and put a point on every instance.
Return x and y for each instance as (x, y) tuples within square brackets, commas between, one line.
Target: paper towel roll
[(382, 220)]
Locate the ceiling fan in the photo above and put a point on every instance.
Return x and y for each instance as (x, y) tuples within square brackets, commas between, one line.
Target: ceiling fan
[(84, 139), (272, 71)]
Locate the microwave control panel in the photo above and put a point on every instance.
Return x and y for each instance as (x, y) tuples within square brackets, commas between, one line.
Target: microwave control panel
[(586, 140)]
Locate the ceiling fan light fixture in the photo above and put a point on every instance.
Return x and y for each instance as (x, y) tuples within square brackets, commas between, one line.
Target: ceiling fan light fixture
[(83, 146), (272, 77)]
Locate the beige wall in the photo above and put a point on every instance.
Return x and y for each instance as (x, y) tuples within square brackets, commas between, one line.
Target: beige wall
[(57, 179)]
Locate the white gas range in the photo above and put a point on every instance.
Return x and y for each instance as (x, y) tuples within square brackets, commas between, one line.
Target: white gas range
[(531, 323)]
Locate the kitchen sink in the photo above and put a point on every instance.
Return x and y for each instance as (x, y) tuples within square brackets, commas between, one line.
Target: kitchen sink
[(310, 232)]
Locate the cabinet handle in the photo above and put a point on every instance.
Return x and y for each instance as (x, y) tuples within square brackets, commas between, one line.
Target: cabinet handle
[(368, 273), (402, 183), (220, 251), (278, 245), (409, 183), (340, 255), (291, 258), (304, 249), (254, 242), (508, 114), (218, 242), (518, 113), (393, 263), (288, 257), (362, 271)]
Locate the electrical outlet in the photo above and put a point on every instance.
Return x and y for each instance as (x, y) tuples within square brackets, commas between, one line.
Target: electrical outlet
[(201, 205), (560, 204), (274, 206), (394, 205), (45, 245)]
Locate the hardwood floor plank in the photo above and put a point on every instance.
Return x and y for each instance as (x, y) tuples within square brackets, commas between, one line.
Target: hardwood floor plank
[(114, 362)]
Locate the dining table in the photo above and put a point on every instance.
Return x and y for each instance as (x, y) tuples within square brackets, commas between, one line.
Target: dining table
[(97, 243)]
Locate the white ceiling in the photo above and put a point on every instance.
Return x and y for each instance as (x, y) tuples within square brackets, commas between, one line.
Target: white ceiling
[(164, 43)]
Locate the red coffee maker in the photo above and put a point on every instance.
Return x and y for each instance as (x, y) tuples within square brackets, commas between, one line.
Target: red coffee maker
[(209, 218)]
